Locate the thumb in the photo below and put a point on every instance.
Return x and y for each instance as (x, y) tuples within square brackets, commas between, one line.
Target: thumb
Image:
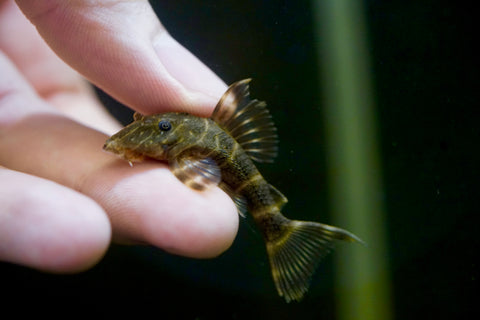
[(122, 47)]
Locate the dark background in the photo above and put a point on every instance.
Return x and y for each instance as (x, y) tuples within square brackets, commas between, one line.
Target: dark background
[(425, 74)]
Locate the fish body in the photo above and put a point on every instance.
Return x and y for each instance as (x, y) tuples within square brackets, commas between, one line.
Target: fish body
[(220, 151)]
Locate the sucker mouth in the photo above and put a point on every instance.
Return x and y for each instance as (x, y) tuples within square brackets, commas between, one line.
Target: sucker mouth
[(108, 146)]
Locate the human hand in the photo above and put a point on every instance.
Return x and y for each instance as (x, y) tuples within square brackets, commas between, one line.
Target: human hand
[(61, 195)]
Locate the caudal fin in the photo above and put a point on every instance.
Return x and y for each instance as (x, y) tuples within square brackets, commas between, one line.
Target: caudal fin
[(295, 254)]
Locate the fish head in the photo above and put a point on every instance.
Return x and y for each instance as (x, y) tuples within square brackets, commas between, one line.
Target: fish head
[(150, 136)]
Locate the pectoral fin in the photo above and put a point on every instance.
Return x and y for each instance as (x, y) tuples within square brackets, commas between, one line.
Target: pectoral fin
[(198, 174)]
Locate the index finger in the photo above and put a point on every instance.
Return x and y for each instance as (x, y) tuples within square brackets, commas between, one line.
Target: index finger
[(123, 48), (145, 203)]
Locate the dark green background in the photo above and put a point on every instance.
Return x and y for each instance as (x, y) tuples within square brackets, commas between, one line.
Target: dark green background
[(425, 73)]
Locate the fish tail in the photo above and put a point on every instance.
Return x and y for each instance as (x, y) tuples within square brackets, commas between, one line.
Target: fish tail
[(295, 249)]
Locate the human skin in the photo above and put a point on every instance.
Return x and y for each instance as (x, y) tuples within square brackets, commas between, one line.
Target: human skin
[(63, 198)]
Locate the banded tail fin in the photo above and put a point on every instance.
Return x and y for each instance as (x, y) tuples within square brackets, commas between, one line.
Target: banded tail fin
[(296, 252)]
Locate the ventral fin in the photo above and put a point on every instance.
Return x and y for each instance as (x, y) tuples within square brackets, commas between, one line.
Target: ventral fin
[(248, 122), (197, 173), (239, 200)]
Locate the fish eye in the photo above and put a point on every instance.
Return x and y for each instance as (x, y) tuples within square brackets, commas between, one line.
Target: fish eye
[(164, 125)]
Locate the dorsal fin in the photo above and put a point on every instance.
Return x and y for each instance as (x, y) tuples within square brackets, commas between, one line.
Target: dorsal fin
[(247, 121)]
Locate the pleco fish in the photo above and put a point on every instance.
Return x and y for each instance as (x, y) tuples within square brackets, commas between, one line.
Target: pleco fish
[(219, 151)]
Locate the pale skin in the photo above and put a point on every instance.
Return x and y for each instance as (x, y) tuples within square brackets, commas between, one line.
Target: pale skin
[(63, 199)]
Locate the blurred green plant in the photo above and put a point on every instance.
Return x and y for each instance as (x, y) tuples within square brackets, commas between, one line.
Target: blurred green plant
[(362, 281)]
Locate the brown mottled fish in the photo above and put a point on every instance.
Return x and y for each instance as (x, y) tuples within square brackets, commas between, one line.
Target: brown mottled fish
[(219, 151)]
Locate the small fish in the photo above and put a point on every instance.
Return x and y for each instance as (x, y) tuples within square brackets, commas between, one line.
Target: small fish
[(219, 151)]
